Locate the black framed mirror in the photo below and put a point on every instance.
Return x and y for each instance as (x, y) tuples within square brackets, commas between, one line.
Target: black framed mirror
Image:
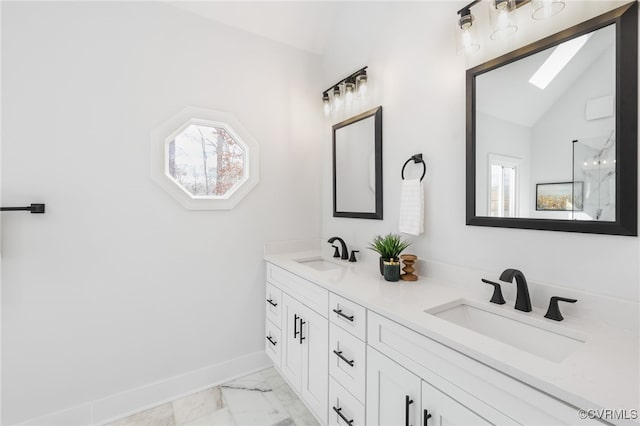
[(552, 131), (357, 166)]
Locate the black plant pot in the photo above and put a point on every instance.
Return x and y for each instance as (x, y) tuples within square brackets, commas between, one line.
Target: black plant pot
[(382, 260)]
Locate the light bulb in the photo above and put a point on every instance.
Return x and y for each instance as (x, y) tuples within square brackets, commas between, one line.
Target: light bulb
[(585, 163)]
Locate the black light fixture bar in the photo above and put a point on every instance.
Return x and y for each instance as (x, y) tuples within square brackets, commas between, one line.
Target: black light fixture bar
[(469, 6), (361, 71)]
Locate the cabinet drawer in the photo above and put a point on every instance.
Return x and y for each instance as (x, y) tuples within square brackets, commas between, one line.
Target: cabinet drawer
[(273, 302), (343, 402), (352, 317), (314, 296), (273, 344), (349, 367)]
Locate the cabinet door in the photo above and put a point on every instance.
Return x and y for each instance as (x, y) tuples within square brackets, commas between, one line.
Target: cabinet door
[(393, 393), (291, 360), (315, 362), (438, 409)]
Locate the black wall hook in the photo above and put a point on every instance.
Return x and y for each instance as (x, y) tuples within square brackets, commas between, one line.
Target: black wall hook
[(33, 208), (417, 158)]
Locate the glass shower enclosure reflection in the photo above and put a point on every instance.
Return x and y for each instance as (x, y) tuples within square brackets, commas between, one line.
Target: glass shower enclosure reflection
[(594, 173)]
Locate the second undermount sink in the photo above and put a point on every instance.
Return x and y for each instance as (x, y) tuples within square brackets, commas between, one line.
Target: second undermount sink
[(549, 341), (319, 264)]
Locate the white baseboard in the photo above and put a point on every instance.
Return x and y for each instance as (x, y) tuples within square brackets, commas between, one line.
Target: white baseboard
[(122, 404)]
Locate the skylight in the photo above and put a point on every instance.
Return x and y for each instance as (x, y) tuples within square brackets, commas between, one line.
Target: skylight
[(557, 61)]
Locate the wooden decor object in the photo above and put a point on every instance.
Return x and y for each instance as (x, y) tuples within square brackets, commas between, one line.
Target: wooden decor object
[(408, 260)]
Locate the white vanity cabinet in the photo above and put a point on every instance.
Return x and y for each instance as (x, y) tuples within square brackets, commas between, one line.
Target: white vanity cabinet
[(353, 366), (304, 338), (439, 409), (398, 397), (347, 361), (393, 392)]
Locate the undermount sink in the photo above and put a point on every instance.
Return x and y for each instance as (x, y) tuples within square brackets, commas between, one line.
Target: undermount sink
[(549, 341), (319, 264)]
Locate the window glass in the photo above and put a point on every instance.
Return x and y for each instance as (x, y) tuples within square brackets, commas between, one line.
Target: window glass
[(206, 161)]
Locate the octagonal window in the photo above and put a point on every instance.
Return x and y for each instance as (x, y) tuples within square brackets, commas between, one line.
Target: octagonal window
[(206, 161)]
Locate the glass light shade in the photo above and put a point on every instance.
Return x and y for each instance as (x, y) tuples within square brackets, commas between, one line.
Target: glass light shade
[(337, 99), (502, 19), (466, 37), (543, 9), (349, 91), (361, 84)]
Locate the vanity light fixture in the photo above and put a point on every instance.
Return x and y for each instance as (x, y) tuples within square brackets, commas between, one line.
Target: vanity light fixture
[(502, 20), (344, 91)]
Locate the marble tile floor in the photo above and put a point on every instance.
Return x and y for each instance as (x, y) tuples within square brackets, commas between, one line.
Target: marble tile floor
[(262, 398)]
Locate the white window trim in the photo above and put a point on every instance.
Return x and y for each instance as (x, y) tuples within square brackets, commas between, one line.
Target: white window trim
[(166, 132), (504, 161)]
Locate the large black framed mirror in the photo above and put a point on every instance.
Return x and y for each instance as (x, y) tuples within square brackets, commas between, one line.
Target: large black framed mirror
[(357, 166), (552, 131)]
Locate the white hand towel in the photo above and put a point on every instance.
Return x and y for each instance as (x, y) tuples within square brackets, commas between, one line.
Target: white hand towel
[(412, 207)]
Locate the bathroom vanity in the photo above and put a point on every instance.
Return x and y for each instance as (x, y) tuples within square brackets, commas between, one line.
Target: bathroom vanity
[(359, 350)]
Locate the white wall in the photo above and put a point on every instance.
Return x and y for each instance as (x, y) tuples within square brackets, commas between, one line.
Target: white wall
[(417, 77), (117, 285), (497, 136)]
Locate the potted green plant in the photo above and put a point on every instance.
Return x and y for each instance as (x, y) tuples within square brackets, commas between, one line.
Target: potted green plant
[(388, 247)]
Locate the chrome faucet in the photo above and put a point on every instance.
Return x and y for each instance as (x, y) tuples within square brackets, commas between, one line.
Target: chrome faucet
[(345, 251), (523, 301)]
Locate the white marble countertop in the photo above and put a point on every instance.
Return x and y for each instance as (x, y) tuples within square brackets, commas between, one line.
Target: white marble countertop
[(604, 373)]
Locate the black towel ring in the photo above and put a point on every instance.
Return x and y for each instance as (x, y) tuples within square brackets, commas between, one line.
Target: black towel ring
[(416, 159)]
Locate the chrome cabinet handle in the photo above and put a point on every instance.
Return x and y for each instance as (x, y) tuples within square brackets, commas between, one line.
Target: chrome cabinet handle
[(339, 354), (347, 317)]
